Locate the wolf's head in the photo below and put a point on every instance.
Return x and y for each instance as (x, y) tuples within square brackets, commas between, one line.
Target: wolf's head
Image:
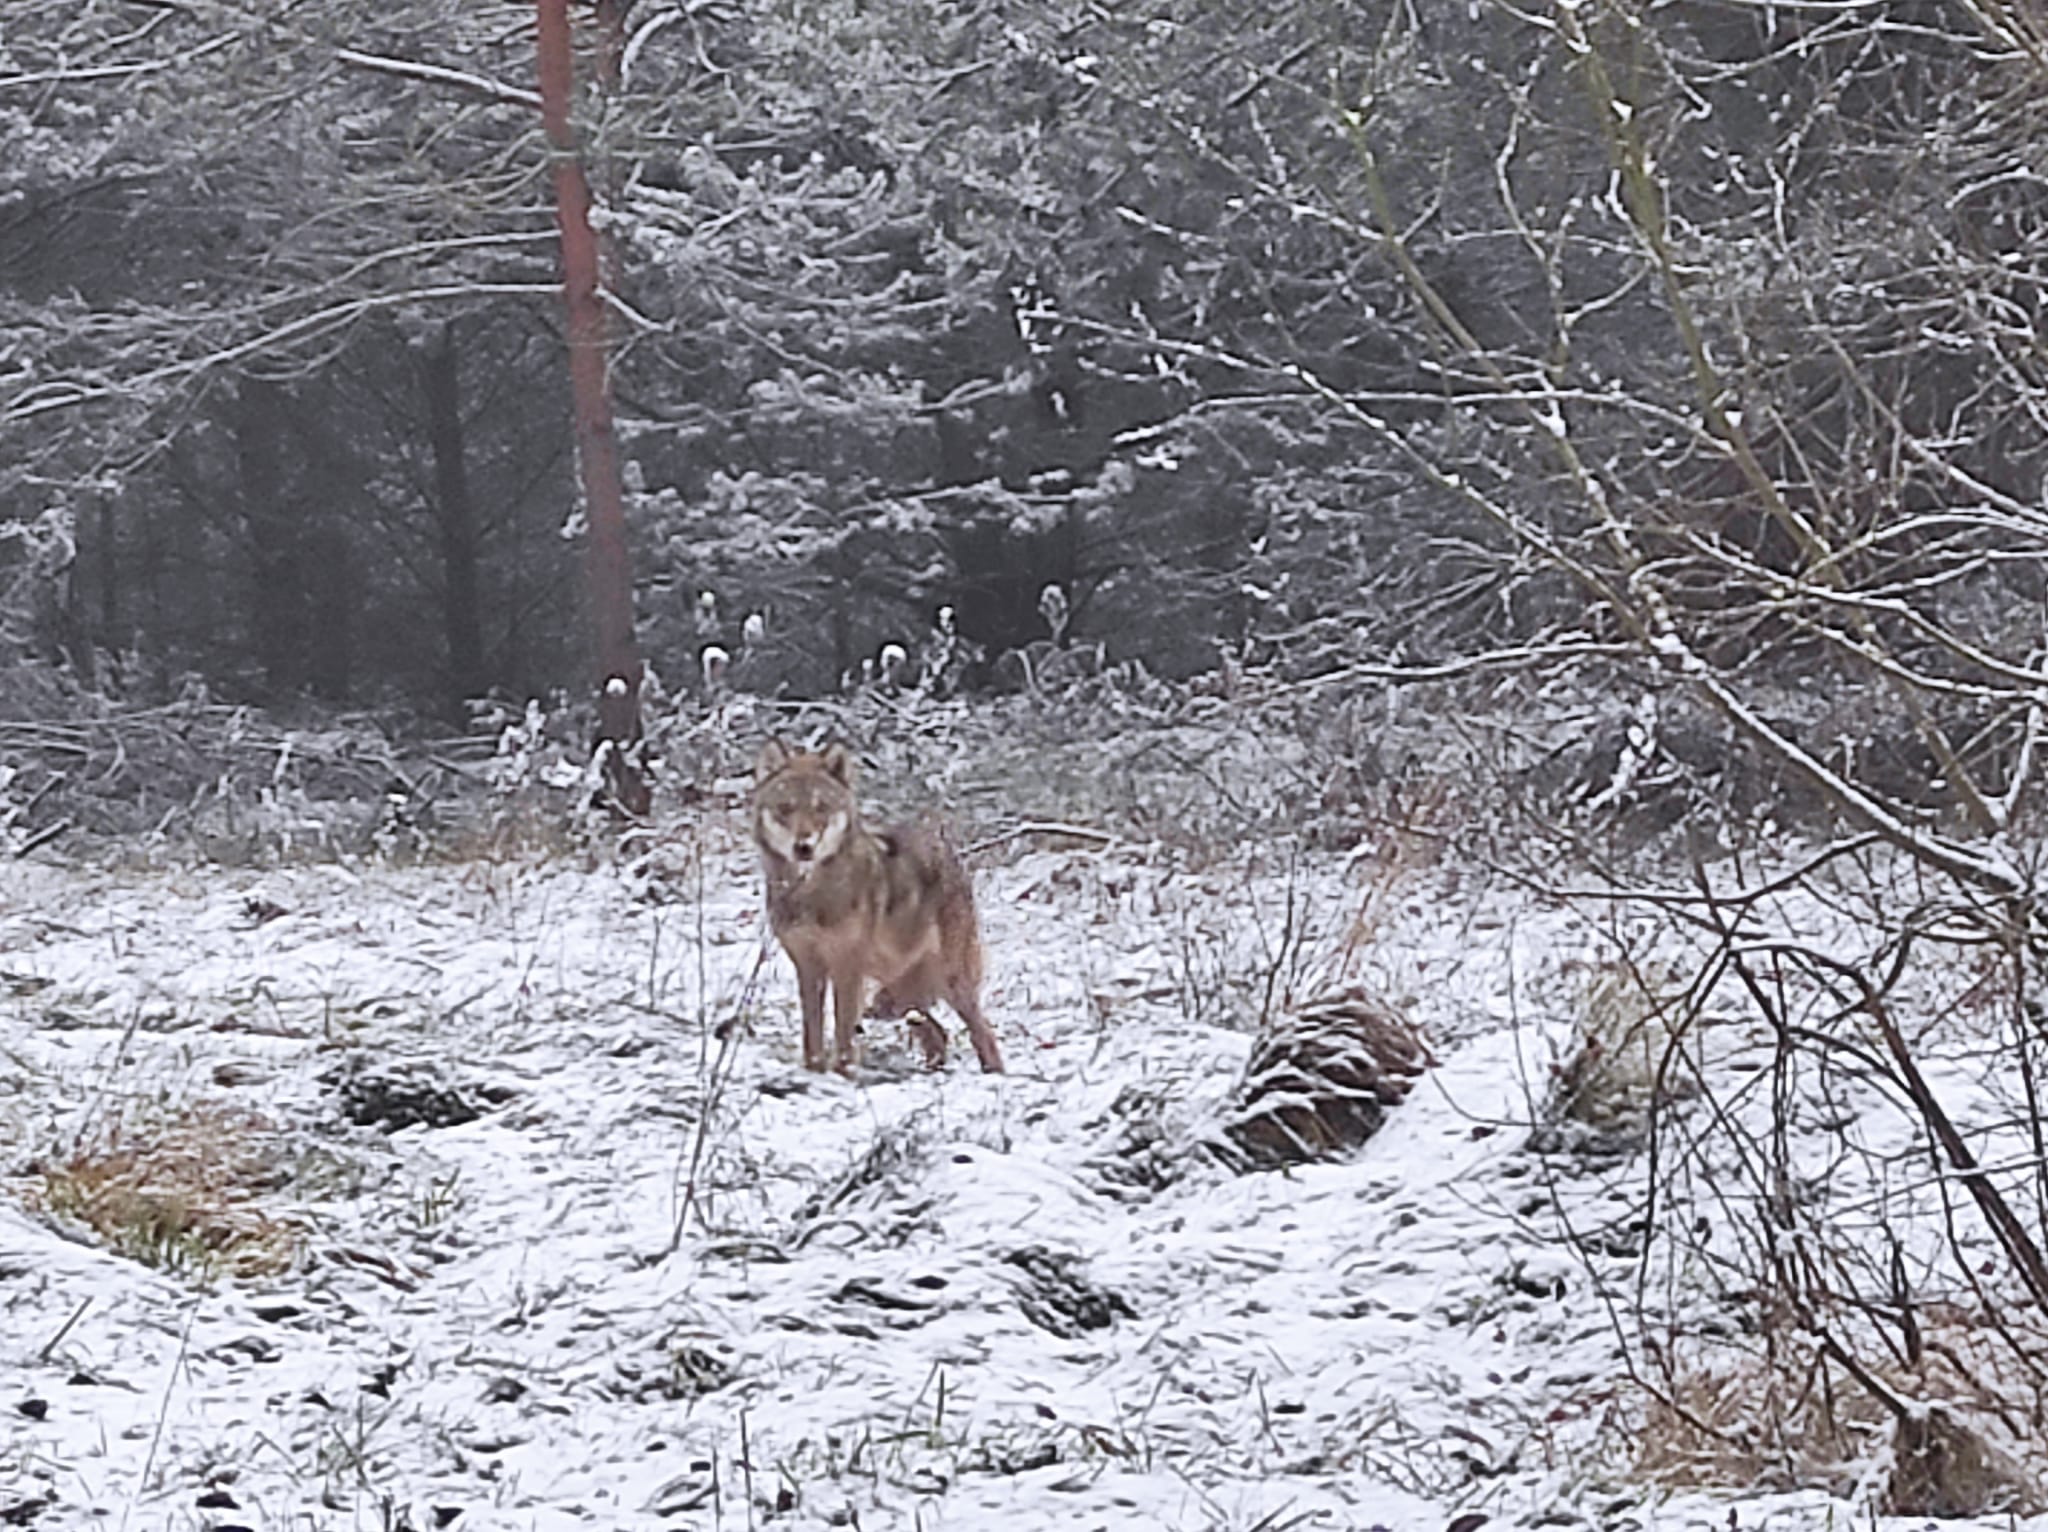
[(803, 802)]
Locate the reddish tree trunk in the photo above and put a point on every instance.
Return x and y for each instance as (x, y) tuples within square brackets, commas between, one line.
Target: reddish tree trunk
[(597, 452)]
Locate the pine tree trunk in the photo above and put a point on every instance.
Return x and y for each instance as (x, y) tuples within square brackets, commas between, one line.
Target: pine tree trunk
[(611, 581), (455, 520), (107, 557), (325, 498), (336, 606), (276, 568)]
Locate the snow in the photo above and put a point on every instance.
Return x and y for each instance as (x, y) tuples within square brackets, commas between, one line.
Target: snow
[(666, 1278)]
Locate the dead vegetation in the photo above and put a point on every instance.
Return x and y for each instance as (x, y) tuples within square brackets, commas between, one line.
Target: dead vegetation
[(1943, 1466), (1936, 1439), (1833, 1187), (190, 1190), (1322, 1079), (1619, 1066)]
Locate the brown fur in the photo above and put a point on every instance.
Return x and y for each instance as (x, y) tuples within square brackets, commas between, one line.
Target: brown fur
[(851, 904)]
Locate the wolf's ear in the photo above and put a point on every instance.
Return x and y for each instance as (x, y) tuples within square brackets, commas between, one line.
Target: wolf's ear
[(838, 762), (773, 757)]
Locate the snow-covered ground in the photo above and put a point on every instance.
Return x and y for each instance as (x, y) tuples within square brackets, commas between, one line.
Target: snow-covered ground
[(663, 1278)]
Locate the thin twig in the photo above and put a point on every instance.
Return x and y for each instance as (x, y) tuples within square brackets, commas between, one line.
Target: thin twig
[(1042, 827), (65, 1329), (163, 1411)]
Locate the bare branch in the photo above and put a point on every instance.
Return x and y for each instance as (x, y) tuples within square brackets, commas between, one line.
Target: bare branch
[(483, 85)]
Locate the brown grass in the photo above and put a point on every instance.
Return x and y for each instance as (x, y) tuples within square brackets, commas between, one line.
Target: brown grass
[(1409, 827), (182, 1190), (1743, 1424), (1953, 1439)]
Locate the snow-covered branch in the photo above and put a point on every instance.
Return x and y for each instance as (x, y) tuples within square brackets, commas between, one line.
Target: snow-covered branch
[(438, 74)]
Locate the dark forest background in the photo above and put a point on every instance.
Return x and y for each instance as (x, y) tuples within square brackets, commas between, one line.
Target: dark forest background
[(1311, 334)]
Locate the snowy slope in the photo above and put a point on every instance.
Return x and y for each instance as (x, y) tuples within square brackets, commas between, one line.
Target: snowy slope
[(664, 1278)]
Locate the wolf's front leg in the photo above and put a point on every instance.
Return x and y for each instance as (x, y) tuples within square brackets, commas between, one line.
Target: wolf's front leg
[(846, 997), (810, 992)]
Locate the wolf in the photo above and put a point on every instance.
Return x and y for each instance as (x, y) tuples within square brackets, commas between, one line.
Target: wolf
[(851, 904)]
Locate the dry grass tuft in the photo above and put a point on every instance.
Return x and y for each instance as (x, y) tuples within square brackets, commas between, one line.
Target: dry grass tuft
[(1939, 1439), (1742, 1424), (1407, 828), (1618, 1068), (181, 1190)]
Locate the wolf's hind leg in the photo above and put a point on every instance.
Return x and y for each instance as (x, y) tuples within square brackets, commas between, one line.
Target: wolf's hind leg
[(968, 1004)]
